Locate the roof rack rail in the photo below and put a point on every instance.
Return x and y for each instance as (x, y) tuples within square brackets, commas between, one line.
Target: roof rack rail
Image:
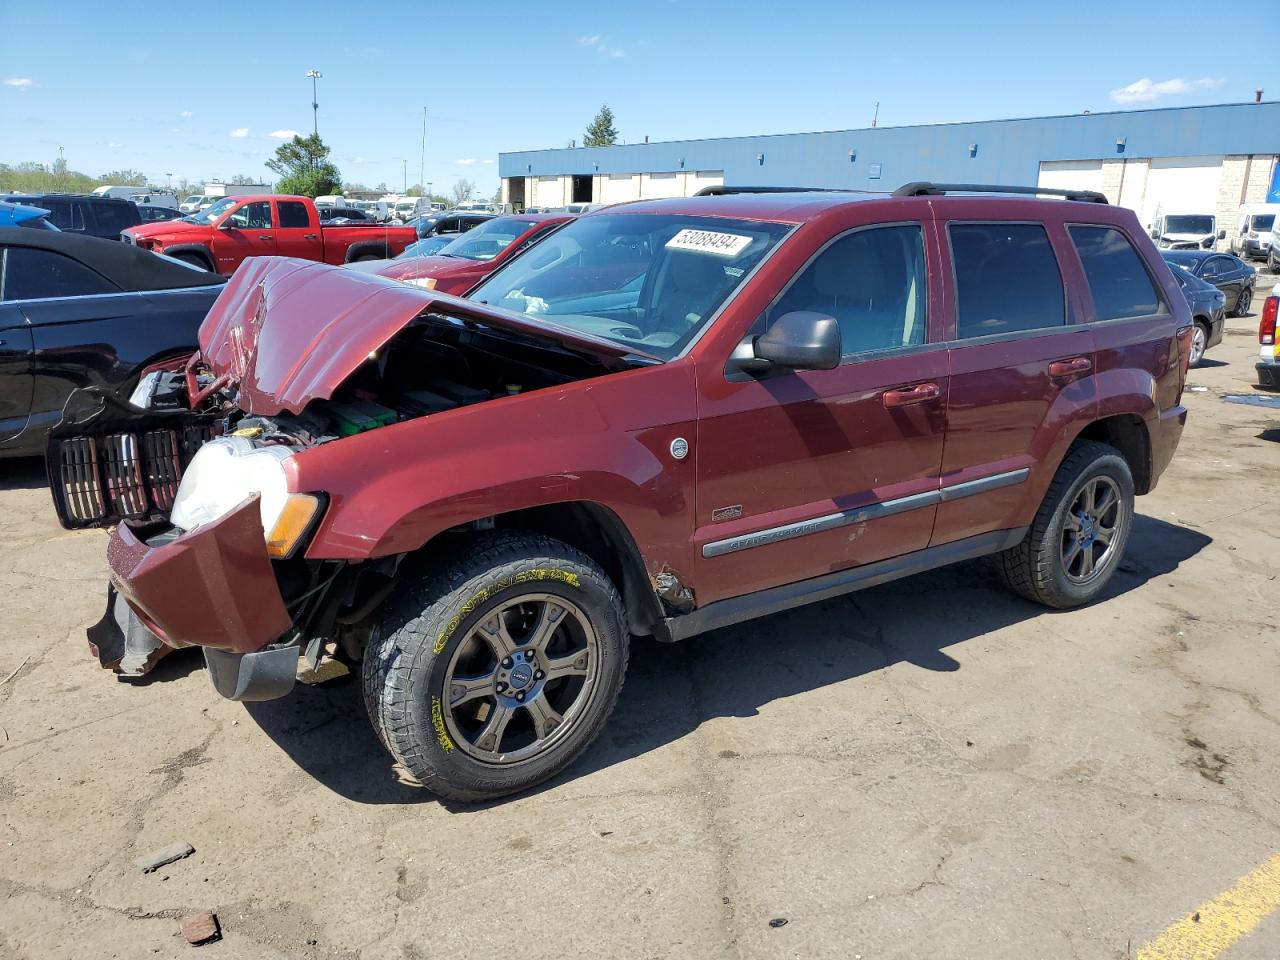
[(723, 191), (923, 188)]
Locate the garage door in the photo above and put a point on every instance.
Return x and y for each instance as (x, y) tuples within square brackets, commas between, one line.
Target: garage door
[(658, 186), (1071, 174), (549, 192), (618, 187), (1181, 185), (705, 178)]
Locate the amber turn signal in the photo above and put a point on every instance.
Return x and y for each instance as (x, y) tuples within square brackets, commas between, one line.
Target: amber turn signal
[(292, 524)]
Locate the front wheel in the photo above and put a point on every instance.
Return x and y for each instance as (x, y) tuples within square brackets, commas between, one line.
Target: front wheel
[(496, 671), (1079, 533), (1243, 302)]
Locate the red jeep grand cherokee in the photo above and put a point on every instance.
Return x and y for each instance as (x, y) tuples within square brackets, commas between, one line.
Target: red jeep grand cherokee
[(667, 417)]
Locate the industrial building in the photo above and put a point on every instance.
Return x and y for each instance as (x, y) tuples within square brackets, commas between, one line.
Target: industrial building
[(1171, 160)]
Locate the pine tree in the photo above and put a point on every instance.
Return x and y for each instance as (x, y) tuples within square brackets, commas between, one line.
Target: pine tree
[(601, 132)]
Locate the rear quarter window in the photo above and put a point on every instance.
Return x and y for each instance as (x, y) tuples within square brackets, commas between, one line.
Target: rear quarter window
[(1118, 278), (1007, 279), (114, 217), (31, 274)]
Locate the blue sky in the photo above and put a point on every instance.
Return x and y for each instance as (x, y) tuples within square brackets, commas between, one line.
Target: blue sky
[(205, 103)]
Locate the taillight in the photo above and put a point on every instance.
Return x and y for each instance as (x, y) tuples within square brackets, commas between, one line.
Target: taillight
[(1184, 355), (1267, 325)]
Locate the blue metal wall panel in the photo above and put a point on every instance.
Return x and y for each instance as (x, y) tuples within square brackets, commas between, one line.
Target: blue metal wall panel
[(1007, 151)]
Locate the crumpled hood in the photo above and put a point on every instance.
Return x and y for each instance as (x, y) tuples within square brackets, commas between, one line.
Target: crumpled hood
[(291, 331)]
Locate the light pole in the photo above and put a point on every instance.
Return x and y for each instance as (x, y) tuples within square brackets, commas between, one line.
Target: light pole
[(422, 162), (315, 103)]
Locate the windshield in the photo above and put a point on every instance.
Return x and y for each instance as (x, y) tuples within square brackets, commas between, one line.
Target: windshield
[(1263, 222), (404, 207), (211, 213), (648, 280), (1197, 225), (194, 198), (487, 240), (426, 248)]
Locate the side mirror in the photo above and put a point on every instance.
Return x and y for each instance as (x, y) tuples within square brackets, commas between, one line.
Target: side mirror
[(1222, 234), (802, 340), (1155, 234)]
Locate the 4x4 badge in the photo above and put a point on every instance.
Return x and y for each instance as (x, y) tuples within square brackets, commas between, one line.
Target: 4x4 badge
[(679, 448)]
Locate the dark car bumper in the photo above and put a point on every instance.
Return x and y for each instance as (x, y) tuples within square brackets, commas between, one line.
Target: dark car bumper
[(1165, 432), (1268, 374), (213, 588)]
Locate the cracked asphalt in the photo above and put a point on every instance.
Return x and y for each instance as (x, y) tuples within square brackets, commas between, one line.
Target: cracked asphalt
[(933, 768)]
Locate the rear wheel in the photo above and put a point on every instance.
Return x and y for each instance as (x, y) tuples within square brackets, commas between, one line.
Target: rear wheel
[(1079, 533), (1199, 342), (496, 671), (1243, 302)]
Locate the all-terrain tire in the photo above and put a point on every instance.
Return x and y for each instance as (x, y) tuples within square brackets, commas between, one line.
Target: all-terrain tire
[(1035, 568), (418, 629)]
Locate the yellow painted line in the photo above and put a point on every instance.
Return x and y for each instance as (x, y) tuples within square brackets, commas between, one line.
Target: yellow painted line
[(1214, 926)]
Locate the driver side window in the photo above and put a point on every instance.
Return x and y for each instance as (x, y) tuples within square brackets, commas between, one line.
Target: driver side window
[(253, 216), (873, 282)]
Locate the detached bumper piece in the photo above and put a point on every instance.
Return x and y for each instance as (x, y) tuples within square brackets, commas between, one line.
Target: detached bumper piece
[(122, 643), (265, 675), (213, 587)]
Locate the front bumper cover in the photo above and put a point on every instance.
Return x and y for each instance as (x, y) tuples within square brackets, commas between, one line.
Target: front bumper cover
[(213, 587)]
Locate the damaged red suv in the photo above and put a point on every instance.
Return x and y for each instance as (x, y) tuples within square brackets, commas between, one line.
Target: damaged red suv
[(667, 417)]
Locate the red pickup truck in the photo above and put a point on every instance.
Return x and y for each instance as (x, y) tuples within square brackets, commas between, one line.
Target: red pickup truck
[(234, 228)]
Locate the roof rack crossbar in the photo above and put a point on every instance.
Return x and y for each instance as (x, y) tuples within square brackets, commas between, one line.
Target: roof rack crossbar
[(723, 191), (923, 188)]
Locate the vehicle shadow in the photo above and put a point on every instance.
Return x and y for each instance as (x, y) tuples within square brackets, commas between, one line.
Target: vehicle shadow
[(1207, 362), (23, 473), (669, 692)]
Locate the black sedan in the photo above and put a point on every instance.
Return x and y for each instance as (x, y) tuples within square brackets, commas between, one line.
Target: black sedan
[(1208, 310), (79, 311), (1228, 273)]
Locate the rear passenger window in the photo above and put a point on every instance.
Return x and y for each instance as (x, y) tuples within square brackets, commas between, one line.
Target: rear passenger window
[(31, 274), (1007, 279), (293, 214), (114, 217), (872, 282), (1118, 279)]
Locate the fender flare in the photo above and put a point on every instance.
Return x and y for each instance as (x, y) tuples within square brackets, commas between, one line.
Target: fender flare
[(362, 247)]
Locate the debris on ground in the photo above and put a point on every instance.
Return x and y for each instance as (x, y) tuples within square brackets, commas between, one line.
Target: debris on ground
[(158, 858), (15, 673), (201, 928), (1252, 399), (778, 922)]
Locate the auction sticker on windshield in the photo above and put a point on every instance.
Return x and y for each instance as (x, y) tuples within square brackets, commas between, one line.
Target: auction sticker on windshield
[(709, 241)]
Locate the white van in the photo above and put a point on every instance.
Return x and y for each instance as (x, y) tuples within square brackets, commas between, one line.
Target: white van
[(1186, 231), (411, 207), (332, 200), (1251, 239)]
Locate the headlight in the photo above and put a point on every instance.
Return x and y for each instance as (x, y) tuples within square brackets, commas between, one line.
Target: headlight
[(428, 283), (224, 472)]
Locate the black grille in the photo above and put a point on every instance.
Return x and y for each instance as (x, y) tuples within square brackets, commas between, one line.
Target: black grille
[(125, 475)]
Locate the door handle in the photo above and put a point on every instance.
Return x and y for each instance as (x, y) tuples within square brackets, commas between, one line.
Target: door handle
[(1065, 369), (308, 236), (920, 393), (264, 236)]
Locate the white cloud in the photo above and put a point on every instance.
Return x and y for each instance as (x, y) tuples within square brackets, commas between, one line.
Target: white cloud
[(466, 162), (601, 46), (21, 83), (1146, 89), (486, 161), (186, 114), (114, 145), (239, 133), (283, 134)]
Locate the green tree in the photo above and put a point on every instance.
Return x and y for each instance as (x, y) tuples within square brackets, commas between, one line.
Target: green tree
[(124, 178), (243, 180), (601, 132), (463, 190), (303, 167)]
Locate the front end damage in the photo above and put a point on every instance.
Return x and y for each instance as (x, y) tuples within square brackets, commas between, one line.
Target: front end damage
[(195, 473)]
